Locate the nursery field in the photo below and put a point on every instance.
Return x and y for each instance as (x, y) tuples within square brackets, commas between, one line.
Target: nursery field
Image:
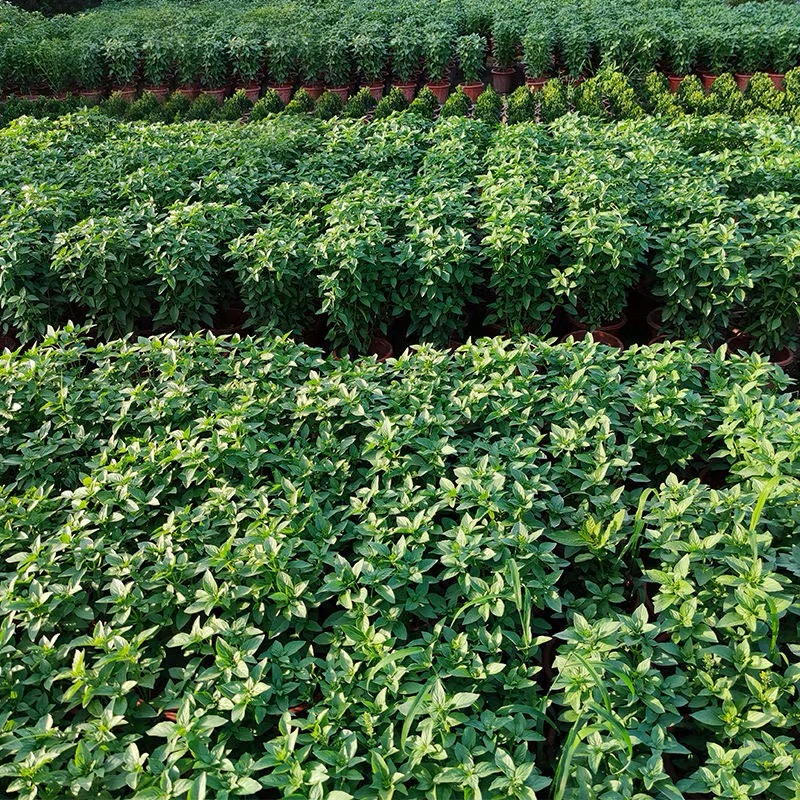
[(234, 568), (400, 400)]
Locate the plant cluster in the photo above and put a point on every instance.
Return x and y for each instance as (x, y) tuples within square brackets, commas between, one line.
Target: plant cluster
[(235, 569), (136, 227), (335, 41)]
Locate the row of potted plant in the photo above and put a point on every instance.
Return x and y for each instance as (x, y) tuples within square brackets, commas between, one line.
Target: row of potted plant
[(402, 223), (109, 50)]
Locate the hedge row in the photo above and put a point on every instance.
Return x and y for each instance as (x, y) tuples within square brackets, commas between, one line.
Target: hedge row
[(608, 95), (230, 568), (404, 221), (339, 42)]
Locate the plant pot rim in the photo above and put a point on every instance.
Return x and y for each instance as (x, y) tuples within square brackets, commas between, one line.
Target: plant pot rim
[(598, 336), (503, 70)]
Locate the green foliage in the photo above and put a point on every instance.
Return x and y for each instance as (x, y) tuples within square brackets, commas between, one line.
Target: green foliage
[(235, 106), (329, 105), (270, 103), (392, 102), (301, 103), (506, 42), (145, 107), (204, 106), (553, 99), (359, 104), (438, 52), (657, 98), (116, 106), (456, 105), (176, 107), (424, 104), (691, 96), (725, 97), (274, 571), (370, 52), (489, 106), (764, 96), (406, 49), (521, 106), (471, 51), (537, 50)]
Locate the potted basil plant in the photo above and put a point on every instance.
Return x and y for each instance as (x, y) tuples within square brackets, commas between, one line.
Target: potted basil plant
[(471, 50)]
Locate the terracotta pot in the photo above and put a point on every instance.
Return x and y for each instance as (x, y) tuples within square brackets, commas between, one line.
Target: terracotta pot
[(660, 339), (675, 82), (783, 357), (601, 337), (708, 80), (342, 91), (127, 93), (535, 84), (217, 94), (8, 343), (440, 91), (189, 92), (284, 92), (742, 80), (408, 90), (313, 90), (252, 91), (159, 92), (381, 348), (777, 79), (613, 326), (32, 98), (503, 80), (472, 90), (376, 90), (654, 322)]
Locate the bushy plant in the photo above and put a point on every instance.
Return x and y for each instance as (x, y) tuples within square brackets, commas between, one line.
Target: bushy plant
[(456, 105), (471, 51), (329, 105), (145, 107), (270, 103), (122, 58), (282, 56), (301, 103), (506, 42), (392, 102), (204, 106), (247, 55), (438, 52), (424, 104), (763, 95), (406, 50), (553, 100), (725, 97), (359, 104), (521, 106), (176, 107), (791, 87), (657, 98), (370, 52), (235, 106), (157, 59), (690, 95), (115, 106), (537, 50), (489, 106)]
